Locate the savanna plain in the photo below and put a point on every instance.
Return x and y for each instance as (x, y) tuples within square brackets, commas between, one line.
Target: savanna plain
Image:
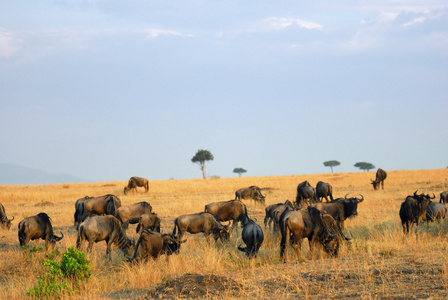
[(378, 263)]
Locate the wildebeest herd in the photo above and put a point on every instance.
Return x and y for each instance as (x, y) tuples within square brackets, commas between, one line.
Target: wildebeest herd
[(105, 219)]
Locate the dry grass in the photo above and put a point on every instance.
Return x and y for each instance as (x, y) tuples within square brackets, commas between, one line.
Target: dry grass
[(379, 263)]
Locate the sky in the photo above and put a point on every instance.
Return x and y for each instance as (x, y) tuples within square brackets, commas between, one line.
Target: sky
[(106, 89)]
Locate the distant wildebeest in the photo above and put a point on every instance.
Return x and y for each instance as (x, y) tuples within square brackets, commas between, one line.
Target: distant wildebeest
[(276, 213), (444, 197), (38, 227), (5, 223), (154, 244), (234, 210), (103, 205), (269, 217), (252, 192), (380, 177), (435, 211), (412, 211), (78, 209), (148, 221), (200, 222), (103, 228), (305, 194), (252, 236), (312, 224), (130, 213), (135, 182), (324, 190)]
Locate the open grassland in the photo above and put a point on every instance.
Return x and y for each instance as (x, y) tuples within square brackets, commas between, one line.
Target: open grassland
[(379, 262)]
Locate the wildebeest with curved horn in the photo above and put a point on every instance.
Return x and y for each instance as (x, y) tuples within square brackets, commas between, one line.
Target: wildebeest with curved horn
[(412, 211), (78, 209), (252, 236), (380, 177), (103, 205), (324, 190), (435, 211), (444, 197), (135, 182), (103, 228), (148, 221), (154, 244), (5, 223), (38, 227), (130, 213), (234, 210), (200, 222), (305, 194), (276, 213), (252, 192), (271, 211)]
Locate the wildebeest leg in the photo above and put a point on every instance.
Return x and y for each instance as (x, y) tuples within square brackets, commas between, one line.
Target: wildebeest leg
[(108, 243), (295, 245), (207, 236), (90, 246), (311, 242)]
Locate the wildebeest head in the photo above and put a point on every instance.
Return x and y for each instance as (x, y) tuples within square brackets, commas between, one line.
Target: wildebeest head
[(5, 223), (223, 233), (172, 244), (351, 206)]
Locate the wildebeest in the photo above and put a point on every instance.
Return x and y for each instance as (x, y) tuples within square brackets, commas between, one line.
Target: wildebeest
[(153, 244), (412, 211), (5, 223), (305, 194), (135, 182), (269, 217), (38, 227), (200, 222), (309, 223), (444, 197), (148, 221), (103, 228), (252, 236), (234, 210), (130, 213), (78, 209), (435, 211), (380, 177), (324, 190), (252, 192), (276, 213), (103, 205)]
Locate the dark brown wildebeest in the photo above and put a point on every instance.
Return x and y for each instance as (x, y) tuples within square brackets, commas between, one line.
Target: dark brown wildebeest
[(269, 217), (135, 182), (252, 192), (276, 213), (252, 236), (130, 213), (154, 244), (324, 190), (305, 194), (103, 228), (5, 223), (380, 177), (412, 211), (148, 221), (228, 210), (78, 209), (435, 211), (38, 227), (444, 197), (103, 205), (201, 222), (312, 224)]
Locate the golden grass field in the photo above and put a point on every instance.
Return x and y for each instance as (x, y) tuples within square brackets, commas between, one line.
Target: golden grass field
[(379, 262)]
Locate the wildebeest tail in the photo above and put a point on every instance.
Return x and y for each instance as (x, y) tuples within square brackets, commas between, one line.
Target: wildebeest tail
[(175, 227), (81, 236), (21, 234)]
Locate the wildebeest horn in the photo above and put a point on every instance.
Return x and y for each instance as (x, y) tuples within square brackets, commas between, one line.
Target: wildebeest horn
[(56, 238), (415, 193), (362, 199), (433, 196), (12, 218), (345, 197)]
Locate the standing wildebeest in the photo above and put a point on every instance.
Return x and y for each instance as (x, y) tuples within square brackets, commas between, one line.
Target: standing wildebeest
[(412, 211), (435, 211), (228, 210), (4, 221), (132, 212), (323, 190), (305, 194), (444, 197), (153, 244), (148, 221), (78, 209), (103, 205), (312, 224), (252, 236), (38, 227), (135, 182), (269, 217), (103, 228), (276, 213), (201, 222), (380, 177), (252, 192)]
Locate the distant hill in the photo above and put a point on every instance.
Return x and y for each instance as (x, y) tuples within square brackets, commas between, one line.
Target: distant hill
[(12, 174)]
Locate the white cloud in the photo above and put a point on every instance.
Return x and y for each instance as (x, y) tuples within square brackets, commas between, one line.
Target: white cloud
[(8, 44), (282, 23), (415, 21)]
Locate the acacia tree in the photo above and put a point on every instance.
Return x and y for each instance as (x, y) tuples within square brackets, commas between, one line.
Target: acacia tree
[(239, 171), (364, 166), (331, 164), (200, 158)]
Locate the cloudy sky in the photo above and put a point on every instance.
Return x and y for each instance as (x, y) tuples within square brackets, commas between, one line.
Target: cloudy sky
[(108, 89)]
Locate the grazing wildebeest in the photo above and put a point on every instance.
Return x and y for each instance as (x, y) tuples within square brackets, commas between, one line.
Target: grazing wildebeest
[(234, 210), (305, 194), (135, 182), (148, 221), (103, 228), (4, 221), (153, 244), (269, 217), (412, 211), (312, 224), (276, 213), (38, 227), (103, 205), (252, 236), (201, 222), (435, 211), (323, 190), (380, 177), (78, 209), (130, 213), (252, 192), (444, 197)]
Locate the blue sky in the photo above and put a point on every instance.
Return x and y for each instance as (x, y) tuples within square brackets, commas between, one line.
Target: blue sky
[(106, 90)]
